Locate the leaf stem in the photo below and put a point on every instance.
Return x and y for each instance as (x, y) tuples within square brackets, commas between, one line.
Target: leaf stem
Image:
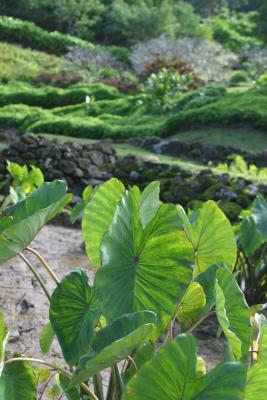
[(98, 388), (44, 263), (47, 364), (37, 276), (118, 379), (210, 314)]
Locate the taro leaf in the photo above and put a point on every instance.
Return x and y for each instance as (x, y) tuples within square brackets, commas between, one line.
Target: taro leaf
[(262, 351), (249, 236), (3, 340), (78, 209), (256, 382), (46, 338), (98, 216), (143, 269), (149, 203), (144, 354), (21, 222), (211, 237), (73, 315), (207, 280), (63, 383), (114, 343), (259, 214), (18, 382), (172, 375), (192, 305), (233, 314)]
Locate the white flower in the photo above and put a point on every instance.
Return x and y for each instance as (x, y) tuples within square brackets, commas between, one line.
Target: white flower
[(87, 99)]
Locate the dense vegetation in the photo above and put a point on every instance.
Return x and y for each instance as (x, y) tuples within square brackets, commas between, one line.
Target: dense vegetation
[(129, 233), (132, 70)]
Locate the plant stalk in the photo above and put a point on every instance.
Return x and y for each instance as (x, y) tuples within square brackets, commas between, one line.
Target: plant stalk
[(44, 263), (120, 384), (37, 276), (98, 388), (54, 367)]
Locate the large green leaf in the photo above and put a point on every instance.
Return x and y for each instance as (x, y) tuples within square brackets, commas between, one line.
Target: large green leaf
[(249, 236), (63, 383), (259, 214), (172, 375), (149, 203), (143, 269), (18, 382), (98, 216), (21, 222), (73, 315), (46, 338), (256, 388), (114, 343), (233, 314), (192, 305), (3, 339), (211, 236)]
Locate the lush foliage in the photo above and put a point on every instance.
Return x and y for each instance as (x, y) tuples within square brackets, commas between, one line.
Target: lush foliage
[(157, 267), (162, 90)]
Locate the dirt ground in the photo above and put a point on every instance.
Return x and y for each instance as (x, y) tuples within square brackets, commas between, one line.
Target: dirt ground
[(26, 308)]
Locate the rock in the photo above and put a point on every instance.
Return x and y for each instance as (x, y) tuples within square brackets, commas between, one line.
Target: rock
[(134, 176), (84, 163), (67, 166), (97, 157)]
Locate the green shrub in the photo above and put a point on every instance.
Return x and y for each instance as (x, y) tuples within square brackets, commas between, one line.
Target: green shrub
[(28, 34), (50, 97), (239, 77), (24, 64), (163, 90), (262, 80), (236, 31)]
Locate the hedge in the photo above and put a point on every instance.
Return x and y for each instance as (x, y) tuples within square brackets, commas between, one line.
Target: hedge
[(51, 97), (27, 34)]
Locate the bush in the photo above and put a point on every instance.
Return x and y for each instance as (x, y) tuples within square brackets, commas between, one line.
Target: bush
[(239, 77), (262, 80), (162, 91), (50, 97), (236, 31), (27, 34), (207, 58), (24, 64)]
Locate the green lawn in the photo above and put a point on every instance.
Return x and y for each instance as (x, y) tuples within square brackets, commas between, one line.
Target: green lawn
[(244, 138)]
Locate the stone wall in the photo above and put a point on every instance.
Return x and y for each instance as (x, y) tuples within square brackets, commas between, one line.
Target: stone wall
[(203, 153), (93, 164), (80, 165)]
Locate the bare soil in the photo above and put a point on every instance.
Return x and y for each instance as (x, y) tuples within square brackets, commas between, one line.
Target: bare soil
[(26, 308)]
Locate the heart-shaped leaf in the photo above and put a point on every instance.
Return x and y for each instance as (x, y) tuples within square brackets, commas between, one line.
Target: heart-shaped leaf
[(98, 216), (18, 382), (46, 338), (73, 315), (256, 387), (114, 343), (172, 375), (192, 305), (211, 236), (233, 314), (21, 222), (149, 203), (259, 214), (143, 269)]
